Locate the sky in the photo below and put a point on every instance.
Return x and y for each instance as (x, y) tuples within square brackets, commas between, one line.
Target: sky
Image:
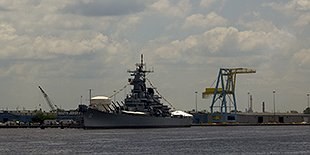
[(71, 46)]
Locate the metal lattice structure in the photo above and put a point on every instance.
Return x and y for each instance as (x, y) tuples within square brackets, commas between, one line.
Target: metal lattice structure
[(224, 93), (48, 100)]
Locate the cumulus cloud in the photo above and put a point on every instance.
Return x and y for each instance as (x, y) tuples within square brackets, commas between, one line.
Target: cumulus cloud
[(298, 9), (226, 42), (177, 9), (259, 25), (302, 57), (44, 47), (290, 7), (7, 32), (303, 20), (205, 21), (206, 3)]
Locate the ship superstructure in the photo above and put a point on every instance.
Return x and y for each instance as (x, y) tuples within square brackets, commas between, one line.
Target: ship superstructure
[(142, 98)]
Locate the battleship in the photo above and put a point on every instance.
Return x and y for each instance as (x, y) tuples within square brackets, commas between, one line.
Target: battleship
[(141, 108)]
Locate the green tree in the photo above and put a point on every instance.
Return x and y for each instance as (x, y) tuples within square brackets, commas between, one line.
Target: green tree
[(40, 117)]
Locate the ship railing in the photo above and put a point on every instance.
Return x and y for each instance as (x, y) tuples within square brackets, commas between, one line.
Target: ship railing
[(116, 107)]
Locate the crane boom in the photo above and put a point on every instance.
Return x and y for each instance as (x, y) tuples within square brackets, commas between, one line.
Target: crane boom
[(49, 102)]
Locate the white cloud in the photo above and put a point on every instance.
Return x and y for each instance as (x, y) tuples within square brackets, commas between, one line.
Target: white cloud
[(44, 47), (204, 21), (7, 32), (302, 58), (168, 52), (179, 9), (126, 25), (206, 3), (291, 7), (298, 9), (226, 42), (259, 25), (303, 20), (301, 5)]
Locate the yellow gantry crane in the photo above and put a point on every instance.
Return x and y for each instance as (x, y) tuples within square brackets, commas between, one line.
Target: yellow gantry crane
[(225, 88)]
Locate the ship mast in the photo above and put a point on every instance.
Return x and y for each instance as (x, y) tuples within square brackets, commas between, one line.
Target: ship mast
[(142, 98), (142, 59), (138, 80)]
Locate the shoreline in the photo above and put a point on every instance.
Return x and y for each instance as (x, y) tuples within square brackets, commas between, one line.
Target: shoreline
[(249, 124), (193, 125)]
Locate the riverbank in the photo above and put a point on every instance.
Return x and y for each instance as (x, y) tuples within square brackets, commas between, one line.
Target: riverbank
[(77, 126), (249, 124), (42, 126)]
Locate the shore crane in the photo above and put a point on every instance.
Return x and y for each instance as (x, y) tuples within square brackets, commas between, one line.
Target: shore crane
[(48, 100), (224, 90)]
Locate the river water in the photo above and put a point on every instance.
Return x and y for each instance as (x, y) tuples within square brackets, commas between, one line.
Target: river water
[(194, 140)]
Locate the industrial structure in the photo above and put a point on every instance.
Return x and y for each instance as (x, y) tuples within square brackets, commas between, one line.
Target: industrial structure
[(224, 92), (53, 107), (255, 118)]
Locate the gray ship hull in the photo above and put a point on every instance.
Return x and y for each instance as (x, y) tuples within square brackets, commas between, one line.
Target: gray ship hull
[(98, 119)]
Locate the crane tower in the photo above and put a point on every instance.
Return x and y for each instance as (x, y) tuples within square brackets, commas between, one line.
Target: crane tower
[(224, 92), (48, 100)]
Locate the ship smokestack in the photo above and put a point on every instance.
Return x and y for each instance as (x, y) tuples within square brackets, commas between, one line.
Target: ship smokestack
[(141, 59)]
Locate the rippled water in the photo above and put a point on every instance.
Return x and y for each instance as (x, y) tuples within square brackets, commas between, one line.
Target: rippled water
[(194, 140)]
